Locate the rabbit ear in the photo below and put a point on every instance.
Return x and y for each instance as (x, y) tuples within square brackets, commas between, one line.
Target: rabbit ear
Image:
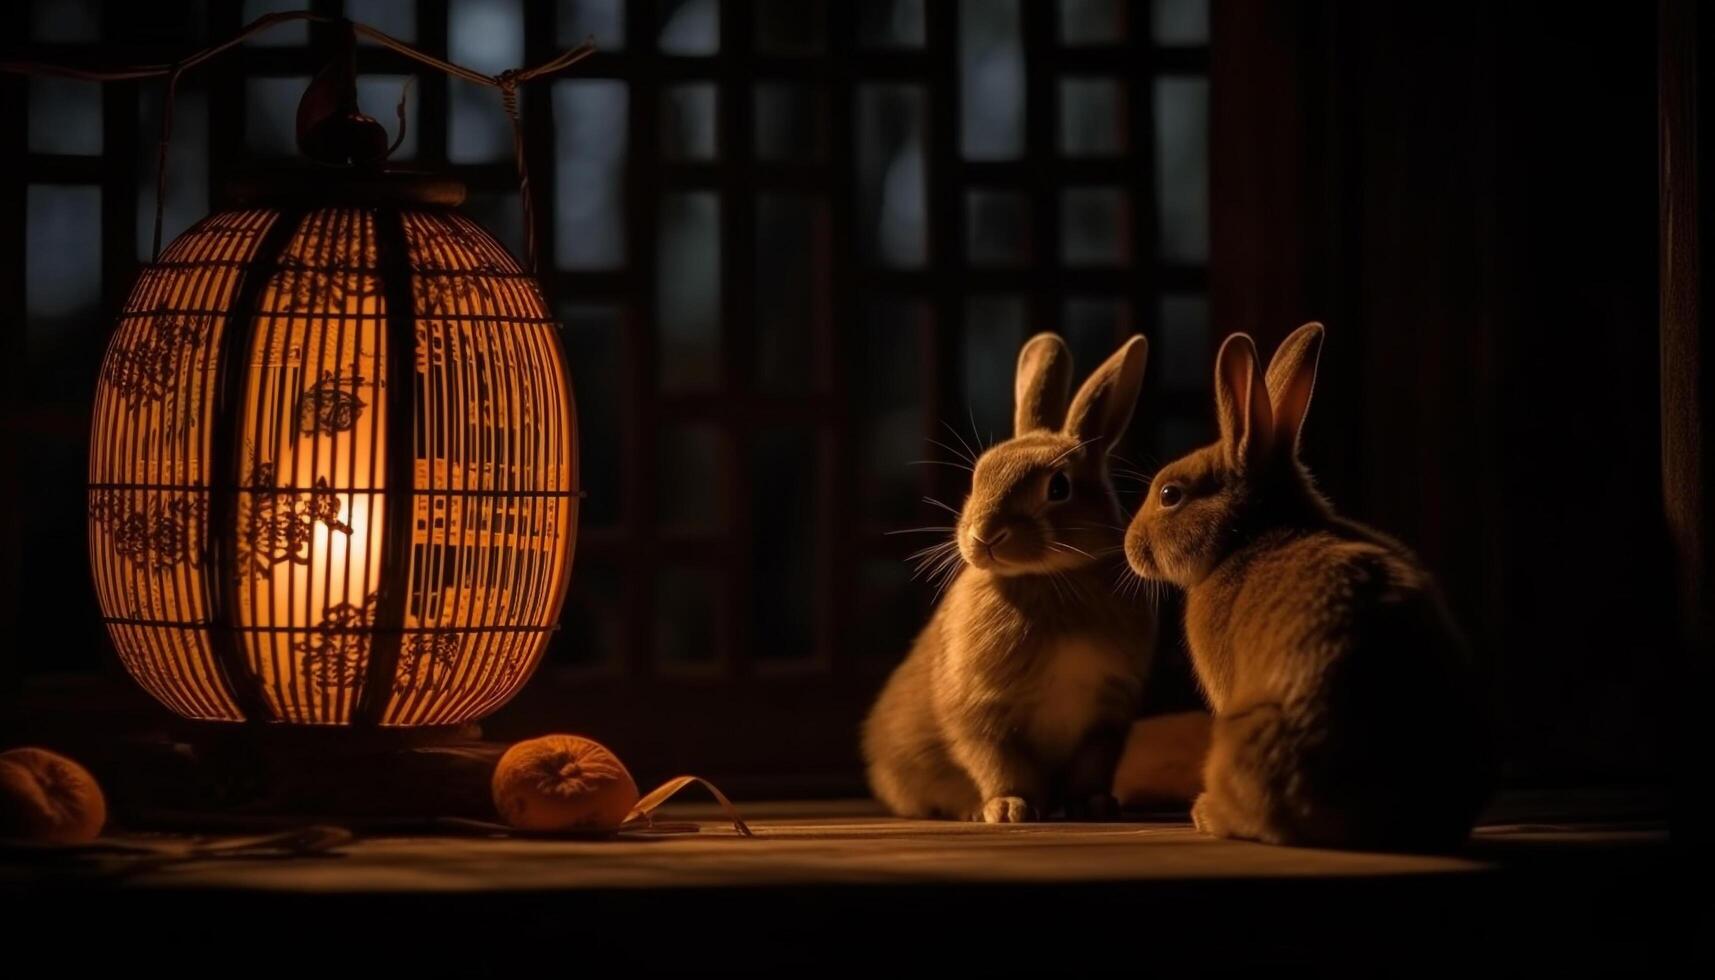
[(1241, 401), (1291, 378), (1102, 408), (1044, 378)]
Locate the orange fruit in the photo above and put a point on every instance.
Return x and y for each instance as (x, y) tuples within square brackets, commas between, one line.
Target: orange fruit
[(48, 797), (562, 782)]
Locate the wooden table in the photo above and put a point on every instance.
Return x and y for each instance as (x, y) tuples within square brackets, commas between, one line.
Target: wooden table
[(838, 884)]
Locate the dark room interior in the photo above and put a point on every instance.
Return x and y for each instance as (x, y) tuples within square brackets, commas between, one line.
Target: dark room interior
[(739, 287)]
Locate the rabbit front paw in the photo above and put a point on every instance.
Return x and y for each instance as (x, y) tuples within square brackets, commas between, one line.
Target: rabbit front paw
[(1008, 809), (1205, 818)]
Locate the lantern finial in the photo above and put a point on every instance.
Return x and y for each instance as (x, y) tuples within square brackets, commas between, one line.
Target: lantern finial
[(331, 129)]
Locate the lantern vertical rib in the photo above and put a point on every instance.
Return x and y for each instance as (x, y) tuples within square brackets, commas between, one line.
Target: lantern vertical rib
[(403, 449), (225, 458)]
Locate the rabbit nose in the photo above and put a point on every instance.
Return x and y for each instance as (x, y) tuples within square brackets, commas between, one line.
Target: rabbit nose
[(994, 538)]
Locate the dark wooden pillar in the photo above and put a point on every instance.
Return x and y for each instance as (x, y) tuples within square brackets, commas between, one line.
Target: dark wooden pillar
[(1687, 381)]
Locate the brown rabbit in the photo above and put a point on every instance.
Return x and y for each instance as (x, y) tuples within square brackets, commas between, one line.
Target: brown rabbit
[(1017, 696), (1347, 713)]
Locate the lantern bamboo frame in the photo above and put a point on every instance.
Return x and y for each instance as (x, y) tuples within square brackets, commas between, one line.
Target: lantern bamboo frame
[(261, 548), (333, 459)]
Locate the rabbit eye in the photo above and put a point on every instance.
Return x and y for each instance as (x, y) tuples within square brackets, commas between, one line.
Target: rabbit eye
[(1172, 495), (1059, 488)]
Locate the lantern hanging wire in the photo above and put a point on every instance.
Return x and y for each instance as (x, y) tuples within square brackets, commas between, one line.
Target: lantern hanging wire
[(507, 83)]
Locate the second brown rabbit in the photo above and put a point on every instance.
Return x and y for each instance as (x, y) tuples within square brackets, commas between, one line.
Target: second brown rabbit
[(1347, 713)]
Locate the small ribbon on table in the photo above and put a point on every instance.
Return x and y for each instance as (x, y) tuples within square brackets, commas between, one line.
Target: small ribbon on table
[(643, 814)]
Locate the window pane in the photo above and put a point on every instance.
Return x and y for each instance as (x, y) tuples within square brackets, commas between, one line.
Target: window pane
[(1094, 21), (1182, 167), (994, 331), (1186, 362), (688, 290), (65, 116), (791, 290), (590, 133), (789, 26), (602, 21), (991, 79), (378, 97), (477, 129), (785, 463), (1092, 117), (62, 258), (788, 122), (688, 491), (488, 36), (594, 338), (187, 165), (889, 406), (997, 228), (690, 27), (1095, 225), (891, 23), (688, 122), (271, 115), (1180, 21), (687, 616), (891, 182), (1093, 327), (395, 17), (65, 21), (284, 35)]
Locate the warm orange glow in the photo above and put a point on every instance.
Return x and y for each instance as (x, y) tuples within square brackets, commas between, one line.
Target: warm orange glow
[(281, 585)]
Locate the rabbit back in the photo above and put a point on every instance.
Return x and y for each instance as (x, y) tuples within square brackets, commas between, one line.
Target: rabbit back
[(1345, 699)]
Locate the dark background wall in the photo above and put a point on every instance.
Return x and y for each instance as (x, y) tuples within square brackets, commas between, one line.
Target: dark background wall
[(1466, 193)]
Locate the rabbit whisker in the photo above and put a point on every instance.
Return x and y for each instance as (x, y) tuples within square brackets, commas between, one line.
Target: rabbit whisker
[(935, 568), (945, 576), (971, 453), (919, 530), (1054, 580), (976, 436), (934, 549), (943, 505), (940, 462), (969, 459), (1073, 547)]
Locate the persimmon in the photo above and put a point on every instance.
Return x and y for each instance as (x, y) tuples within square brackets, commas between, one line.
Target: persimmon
[(45, 796), (563, 782)]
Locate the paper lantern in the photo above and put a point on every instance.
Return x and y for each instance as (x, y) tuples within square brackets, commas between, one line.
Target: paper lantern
[(333, 463)]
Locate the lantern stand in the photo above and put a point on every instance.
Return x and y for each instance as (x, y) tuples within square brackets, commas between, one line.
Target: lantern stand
[(210, 557)]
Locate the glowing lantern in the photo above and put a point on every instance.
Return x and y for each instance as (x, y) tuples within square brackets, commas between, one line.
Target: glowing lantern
[(333, 464)]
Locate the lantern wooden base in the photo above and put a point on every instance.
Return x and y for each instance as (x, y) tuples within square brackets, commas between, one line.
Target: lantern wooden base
[(239, 777)]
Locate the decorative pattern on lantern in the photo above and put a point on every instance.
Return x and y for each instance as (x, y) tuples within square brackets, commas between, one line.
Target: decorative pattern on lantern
[(333, 469)]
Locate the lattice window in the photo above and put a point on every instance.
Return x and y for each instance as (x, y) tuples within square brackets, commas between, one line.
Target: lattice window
[(791, 242)]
